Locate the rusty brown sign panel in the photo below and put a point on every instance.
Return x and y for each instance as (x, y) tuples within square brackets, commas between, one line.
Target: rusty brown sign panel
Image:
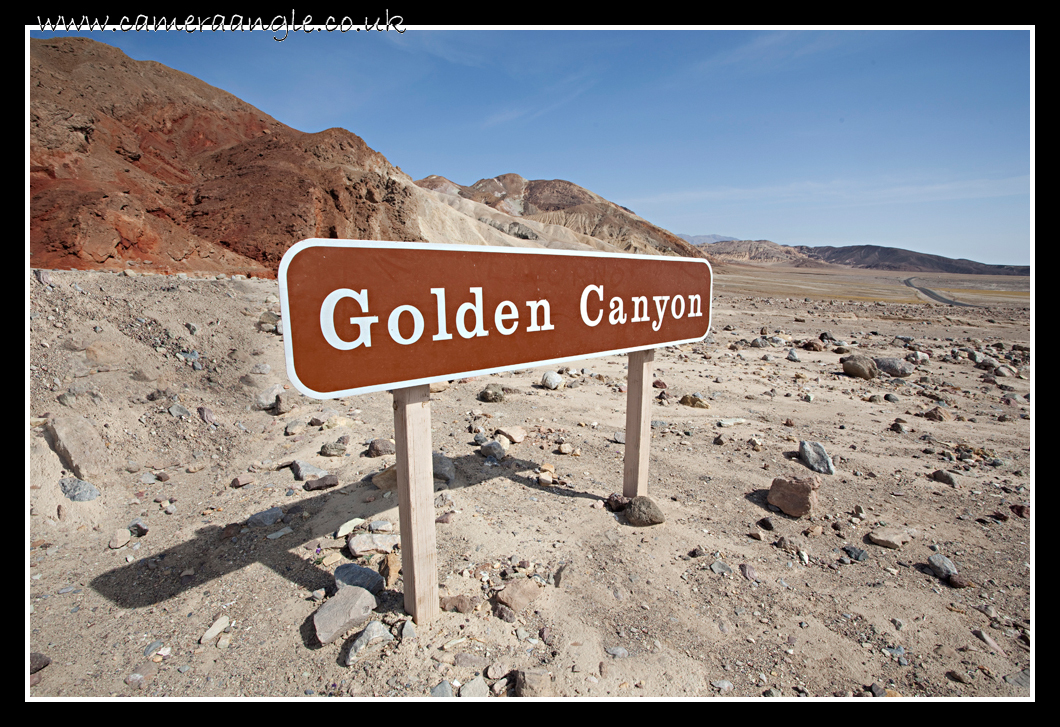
[(367, 316)]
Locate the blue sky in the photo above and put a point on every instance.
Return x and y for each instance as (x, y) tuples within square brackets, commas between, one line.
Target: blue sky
[(920, 139)]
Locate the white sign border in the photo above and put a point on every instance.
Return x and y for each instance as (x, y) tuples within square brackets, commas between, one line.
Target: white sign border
[(380, 244)]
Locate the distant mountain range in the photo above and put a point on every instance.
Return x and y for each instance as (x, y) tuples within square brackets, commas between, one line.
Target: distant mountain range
[(705, 239), (870, 257)]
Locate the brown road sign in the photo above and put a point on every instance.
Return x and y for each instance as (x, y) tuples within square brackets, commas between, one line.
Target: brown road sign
[(365, 316)]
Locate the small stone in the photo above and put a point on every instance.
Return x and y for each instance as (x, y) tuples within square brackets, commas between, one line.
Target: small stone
[(351, 574), (942, 566), (350, 607), (796, 497), (1020, 679), (321, 483), (533, 683), (460, 603), (514, 434), (218, 626), (493, 393), (890, 537), (304, 471), (374, 631), (617, 652), (444, 689), (333, 449), (720, 568), (380, 447), (748, 572), (722, 685), (493, 449), (860, 367), (120, 537), (265, 518), (475, 689), (814, 456), (243, 480), (518, 594), (945, 477), (77, 490), (142, 675), (551, 380), (986, 639), (643, 511)]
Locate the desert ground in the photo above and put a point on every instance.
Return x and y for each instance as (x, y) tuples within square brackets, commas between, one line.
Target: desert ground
[(152, 399)]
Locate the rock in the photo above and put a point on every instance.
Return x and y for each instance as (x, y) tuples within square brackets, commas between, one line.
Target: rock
[(942, 566), (796, 497), (351, 574), (268, 398), (642, 511), (460, 603), (363, 543), (890, 537), (243, 480), (986, 639), (350, 607), (390, 569), (504, 613), (120, 537), (493, 393), (218, 626), (443, 689), (38, 661), (533, 683), (79, 446), (618, 652), (619, 437), (551, 380), (475, 689), (444, 469), (856, 553), (860, 367), (748, 572), (265, 518), (945, 477), (694, 401), (373, 632), (321, 483), (333, 449), (303, 470), (138, 528), (1020, 679), (896, 367), (722, 685), (793, 355), (142, 675), (78, 490), (765, 523), (514, 433), (959, 581), (387, 479), (518, 594), (380, 447), (938, 414), (566, 448), (617, 502), (720, 568), (816, 458), (438, 387), (493, 449)]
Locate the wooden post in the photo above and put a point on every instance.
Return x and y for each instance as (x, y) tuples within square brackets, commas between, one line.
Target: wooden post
[(415, 476), (638, 423)]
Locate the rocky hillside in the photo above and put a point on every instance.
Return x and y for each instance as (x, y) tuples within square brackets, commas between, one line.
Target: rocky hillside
[(872, 257), (565, 204), (133, 163)]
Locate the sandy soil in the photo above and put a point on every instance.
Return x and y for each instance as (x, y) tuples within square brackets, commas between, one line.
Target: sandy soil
[(619, 611)]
